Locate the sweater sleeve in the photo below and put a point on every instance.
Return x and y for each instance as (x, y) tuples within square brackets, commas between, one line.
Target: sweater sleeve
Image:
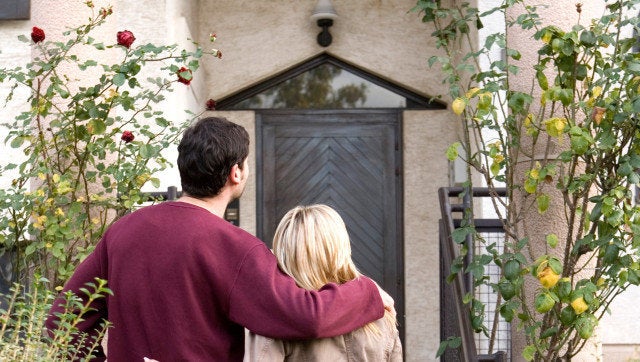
[(90, 322), (268, 302)]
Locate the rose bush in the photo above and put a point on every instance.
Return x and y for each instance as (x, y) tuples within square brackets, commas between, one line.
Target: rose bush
[(92, 137)]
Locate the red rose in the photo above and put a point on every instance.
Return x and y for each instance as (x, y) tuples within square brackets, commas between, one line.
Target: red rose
[(37, 34), (184, 75), (211, 105), (125, 38), (127, 136)]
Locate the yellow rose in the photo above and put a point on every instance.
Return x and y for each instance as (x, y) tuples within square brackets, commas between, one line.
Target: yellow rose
[(548, 278), (472, 92), (579, 305), (458, 106)]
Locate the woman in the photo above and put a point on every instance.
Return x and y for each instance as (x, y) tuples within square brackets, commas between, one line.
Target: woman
[(312, 245)]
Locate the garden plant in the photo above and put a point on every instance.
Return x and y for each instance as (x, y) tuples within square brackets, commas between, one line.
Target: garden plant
[(568, 142), (92, 134)]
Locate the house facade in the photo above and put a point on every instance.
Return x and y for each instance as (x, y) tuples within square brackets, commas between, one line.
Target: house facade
[(351, 124)]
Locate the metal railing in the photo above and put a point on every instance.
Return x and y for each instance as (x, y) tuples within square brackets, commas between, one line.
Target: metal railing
[(455, 319)]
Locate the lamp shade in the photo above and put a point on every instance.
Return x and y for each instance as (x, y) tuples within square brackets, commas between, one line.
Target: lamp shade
[(323, 10)]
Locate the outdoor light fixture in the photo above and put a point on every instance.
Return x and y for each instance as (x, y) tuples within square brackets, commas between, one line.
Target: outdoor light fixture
[(323, 15)]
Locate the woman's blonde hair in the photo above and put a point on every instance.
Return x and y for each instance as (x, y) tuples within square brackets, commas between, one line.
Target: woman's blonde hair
[(312, 245)]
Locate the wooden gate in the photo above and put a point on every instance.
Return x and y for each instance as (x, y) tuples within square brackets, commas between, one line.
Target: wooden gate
[(349, 160)]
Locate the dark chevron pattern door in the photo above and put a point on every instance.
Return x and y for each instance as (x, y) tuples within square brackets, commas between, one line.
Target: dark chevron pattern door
[(349, 160)]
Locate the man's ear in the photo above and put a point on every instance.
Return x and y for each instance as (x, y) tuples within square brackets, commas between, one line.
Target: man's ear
[(235, 176)]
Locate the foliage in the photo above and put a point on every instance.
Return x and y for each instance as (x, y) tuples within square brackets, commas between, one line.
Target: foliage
[(22, 336), (92, 137), (568, 143)]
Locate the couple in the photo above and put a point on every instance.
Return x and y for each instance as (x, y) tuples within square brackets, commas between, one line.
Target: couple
[(186, 282)]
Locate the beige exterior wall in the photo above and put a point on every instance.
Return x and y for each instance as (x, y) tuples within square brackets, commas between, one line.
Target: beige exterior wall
[(426, 136), (14, 53), (259, 39)]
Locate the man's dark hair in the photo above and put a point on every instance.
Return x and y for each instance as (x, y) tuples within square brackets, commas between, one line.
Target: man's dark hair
[(207, 152)]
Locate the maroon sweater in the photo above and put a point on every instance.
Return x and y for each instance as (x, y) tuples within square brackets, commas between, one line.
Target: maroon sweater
[(185, 282)]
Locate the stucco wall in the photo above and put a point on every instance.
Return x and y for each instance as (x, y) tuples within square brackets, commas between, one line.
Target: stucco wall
[(260, 38), (426, 136), (12, 53)]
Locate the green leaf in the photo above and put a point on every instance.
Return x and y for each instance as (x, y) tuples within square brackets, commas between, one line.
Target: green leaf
[(555, 265), (96, 126), (30, 249), (513, 53), (530, 185), (459, 235), (119, 79), (518, 101), (529, 352), (543, 203), (17, 142), (565, 95), (552, 240), (452, 151), (549, 332), (451, 342), (467, 298), (477, 270), (146, 151), (542, 80), (442, 348), (588, 38), (581, 72)]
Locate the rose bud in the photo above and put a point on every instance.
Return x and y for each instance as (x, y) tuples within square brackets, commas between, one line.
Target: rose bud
[(184, 75), (37, 34), (127, 136), (211, 105), (125, 38), (106, 12)]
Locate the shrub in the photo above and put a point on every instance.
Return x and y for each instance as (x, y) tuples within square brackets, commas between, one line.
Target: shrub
[(568, 143), (92, 136), (23, 336)]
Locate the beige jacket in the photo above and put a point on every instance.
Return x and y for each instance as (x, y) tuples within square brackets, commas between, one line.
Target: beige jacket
[(354, 346)]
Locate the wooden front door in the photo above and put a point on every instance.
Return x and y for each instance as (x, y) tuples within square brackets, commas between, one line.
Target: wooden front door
[(349, 160)]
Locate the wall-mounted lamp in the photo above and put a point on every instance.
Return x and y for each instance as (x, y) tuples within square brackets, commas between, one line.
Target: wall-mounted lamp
[(323, 15)]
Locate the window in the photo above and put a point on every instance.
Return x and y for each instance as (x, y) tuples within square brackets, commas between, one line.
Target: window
[(325, 82), (15, 9)]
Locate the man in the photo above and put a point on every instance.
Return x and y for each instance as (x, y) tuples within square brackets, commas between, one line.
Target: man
[(185, 281)]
